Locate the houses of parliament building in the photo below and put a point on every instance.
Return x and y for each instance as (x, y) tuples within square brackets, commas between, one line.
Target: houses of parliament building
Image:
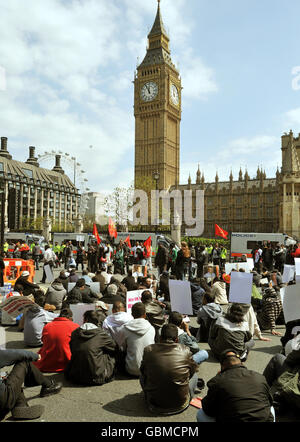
[(238, 205)]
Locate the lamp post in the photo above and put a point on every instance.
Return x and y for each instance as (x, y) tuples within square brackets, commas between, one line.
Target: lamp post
[(2, 224), (156, 177)]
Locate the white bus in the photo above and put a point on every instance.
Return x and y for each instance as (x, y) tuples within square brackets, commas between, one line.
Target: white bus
[(244, 243)]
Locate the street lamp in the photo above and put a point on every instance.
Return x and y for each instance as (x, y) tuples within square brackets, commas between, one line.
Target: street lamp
[(2, 225), (156, 177)]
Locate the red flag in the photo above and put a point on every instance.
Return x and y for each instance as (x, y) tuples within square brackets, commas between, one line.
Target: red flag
[(220, 232), (147, 244), (127, 241), (112, 229), (96, 234)]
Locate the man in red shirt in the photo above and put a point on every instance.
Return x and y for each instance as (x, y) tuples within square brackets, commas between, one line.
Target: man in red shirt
[(55, 352)]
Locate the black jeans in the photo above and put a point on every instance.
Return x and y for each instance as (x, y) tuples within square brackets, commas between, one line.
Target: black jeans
[(23, 372)]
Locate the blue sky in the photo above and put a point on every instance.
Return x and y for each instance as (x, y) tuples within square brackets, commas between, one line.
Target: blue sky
[(66, 71)]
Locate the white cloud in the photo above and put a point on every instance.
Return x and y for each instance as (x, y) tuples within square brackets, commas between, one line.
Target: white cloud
[(245, 153)]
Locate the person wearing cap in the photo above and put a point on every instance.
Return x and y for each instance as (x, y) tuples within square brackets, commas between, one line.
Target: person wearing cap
[(236, 394), (28, 287), (111, 295)]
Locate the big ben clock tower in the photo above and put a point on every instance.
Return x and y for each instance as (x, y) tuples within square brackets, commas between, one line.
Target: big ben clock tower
[(157, 111)]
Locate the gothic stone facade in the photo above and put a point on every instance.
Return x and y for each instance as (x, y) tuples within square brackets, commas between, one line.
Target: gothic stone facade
[(245, 205)]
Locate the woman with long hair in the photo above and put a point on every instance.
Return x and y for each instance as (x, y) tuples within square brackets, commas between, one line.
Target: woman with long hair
[(183, 261)]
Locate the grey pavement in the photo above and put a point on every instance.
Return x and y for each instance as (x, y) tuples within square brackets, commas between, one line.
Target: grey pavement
[(122, 400)]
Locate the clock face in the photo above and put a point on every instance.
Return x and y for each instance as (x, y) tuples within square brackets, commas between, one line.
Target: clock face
[(149, 91), (174, 94)]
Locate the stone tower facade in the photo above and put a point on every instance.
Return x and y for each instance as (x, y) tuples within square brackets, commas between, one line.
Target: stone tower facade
[(289, 207), (157, 110)]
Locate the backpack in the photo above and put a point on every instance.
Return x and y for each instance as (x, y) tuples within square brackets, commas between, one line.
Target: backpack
[(289, 387)]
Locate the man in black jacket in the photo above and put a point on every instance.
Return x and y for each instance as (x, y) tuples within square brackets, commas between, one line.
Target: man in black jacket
[(236, 394), (93, 353), (81, 294), (11, 392)]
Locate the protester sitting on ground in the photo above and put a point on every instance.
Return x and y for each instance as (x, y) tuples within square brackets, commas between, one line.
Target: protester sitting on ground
[(271, 309), (250, 318), (122, 290), (185, 337), (218, 290), (155, 312), (55, 352), (112, 295), (99, 277), (231, 331), (73, 277), (168, 374), (28, 288), (35, 318), (55, 294), (64, 279), (208, 313), (236, 394), (294, 343), (138, 333), (93, 353), (290, 328), (11, 387), (81, 294), (87, 278), (114, 322), (129, 282), (282, 374)]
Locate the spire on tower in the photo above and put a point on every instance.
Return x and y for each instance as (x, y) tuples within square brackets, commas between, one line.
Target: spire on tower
[(198, 176)]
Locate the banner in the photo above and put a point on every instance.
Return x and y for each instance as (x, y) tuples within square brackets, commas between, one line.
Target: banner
[(288, 273), (236, 266), (49, 275), (15, 305), (78, 311), (112, 229), (291, 302), (241, 287), (96, 234), (133, 297), (220, 232), (181, 297)]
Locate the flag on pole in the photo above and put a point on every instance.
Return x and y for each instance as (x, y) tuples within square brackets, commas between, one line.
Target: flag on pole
[(147, 244), (112, 229), (220, 232), (96, 234), (127, 241)]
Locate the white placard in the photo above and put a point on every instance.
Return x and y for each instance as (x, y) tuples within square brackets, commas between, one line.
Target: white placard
[(288, 273), (79, 310), (49, 275), (250, 263), (291, 303), (236, 266), (181, 297), (2, 338), (132, 298), (94, 286), (79, 238), (297, 266), (18, 263), (264, 281), (241, 287)]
